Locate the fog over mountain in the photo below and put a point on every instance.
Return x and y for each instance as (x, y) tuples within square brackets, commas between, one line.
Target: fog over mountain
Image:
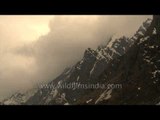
[(24, 64)]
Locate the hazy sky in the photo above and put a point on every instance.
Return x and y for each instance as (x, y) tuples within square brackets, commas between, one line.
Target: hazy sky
[(37, 48)]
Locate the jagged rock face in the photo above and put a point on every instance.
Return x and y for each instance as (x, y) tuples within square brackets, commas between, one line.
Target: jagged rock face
[(133, 63), (142, 31), (19, 98), (140, 72), (139, 76), (14, 99), (87, 71)]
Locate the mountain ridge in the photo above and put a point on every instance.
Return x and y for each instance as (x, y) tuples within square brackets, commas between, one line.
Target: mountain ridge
[(124, 61)]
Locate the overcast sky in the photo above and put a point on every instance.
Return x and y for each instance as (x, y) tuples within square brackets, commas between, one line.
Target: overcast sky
[(34, 49)]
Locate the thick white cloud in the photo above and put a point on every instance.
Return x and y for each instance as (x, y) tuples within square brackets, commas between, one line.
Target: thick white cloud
[(25, 65)]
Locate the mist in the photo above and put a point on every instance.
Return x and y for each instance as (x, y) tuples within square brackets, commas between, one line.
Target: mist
[(60, 43)]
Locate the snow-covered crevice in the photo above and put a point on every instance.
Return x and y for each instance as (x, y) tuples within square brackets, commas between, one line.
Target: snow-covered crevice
[(109, 45), (114, 52), (100, 56), (147, 60), (88, 101), (143, 39), (104, 96), (154, 73), (93, 68), (77, 78), (66, 103)]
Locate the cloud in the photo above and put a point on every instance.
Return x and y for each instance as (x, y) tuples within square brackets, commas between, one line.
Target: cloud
[(69, 36)]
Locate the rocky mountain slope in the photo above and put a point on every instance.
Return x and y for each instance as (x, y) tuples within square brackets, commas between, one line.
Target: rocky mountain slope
[(130, 65), (19, 98)]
